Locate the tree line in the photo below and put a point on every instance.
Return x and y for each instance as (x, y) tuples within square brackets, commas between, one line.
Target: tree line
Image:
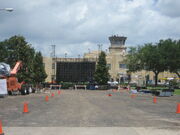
[(17, 49), (157, 57)]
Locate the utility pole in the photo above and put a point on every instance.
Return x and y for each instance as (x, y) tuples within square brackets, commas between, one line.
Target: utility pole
[(65, 55), (53, 53), (99, 51), (99, 47)]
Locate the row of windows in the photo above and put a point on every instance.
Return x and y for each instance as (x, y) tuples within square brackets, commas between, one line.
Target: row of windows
[(120, 66)]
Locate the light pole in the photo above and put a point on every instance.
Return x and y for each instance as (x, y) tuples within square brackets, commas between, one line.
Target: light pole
[(100, 47), (65, 55), (6, 9)]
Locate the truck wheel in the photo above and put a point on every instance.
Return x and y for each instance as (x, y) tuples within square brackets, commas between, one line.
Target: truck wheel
[(22, 92), (9, 92), (27, 91)]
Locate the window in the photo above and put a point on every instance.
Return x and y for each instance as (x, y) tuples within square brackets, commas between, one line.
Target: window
[(53, 66), (122, 66), (109, 66)]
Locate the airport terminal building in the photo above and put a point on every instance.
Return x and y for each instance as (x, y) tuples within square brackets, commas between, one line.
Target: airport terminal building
[(82, 69)]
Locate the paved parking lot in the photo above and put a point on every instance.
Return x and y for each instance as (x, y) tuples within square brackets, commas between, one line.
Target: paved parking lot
[(81, 109)]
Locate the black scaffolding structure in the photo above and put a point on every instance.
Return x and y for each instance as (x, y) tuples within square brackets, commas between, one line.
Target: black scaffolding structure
[(81, 71)]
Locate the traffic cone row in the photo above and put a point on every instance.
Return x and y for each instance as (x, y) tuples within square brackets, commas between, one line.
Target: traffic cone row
[(109, 95), (52, 94), (155, 101), (26, 110), (178, 108), (1, 130), (133, 95)]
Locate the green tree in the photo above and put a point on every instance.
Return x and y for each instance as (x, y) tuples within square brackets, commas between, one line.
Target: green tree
[(133, 60), (152, 59), (170, 51), (39, 70), (101, 75), (19, 50), (3, 52), (148, 57)]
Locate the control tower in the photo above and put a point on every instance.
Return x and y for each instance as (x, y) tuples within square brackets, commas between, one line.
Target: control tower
[(117, 43)]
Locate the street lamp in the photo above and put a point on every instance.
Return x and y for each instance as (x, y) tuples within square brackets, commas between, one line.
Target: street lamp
[(7, 9), (65, 55)]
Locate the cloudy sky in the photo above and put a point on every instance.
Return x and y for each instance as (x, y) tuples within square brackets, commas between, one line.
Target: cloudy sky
[(75, 26)]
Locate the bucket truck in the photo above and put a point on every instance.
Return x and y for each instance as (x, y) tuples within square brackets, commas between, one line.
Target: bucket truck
[(13, 86)]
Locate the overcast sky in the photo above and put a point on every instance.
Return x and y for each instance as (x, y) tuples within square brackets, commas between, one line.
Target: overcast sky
[(75, 26)]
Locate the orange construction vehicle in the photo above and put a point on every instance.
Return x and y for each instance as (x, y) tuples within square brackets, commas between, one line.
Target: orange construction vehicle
[(13, 86)]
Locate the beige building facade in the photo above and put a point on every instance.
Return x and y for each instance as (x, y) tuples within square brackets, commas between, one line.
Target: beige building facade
[(48, 64), (115, 61)]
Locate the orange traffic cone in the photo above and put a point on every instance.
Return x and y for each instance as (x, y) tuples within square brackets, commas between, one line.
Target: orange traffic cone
[(1, 130), (178, 108), (47, 98), (59, 92), (52, 95), (133, 95), (154, 100), (25, 110), (109, 95)]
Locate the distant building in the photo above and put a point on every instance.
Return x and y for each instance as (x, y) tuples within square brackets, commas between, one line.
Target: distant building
[(82, 69)]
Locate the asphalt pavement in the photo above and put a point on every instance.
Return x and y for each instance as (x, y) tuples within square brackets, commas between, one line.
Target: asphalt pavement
[(77, 111)]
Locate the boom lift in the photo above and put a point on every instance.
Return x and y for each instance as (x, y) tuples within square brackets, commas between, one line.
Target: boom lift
[(13, 86)]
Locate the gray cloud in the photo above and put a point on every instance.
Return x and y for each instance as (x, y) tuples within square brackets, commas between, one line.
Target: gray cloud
[(76, 25), (169, 8)]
